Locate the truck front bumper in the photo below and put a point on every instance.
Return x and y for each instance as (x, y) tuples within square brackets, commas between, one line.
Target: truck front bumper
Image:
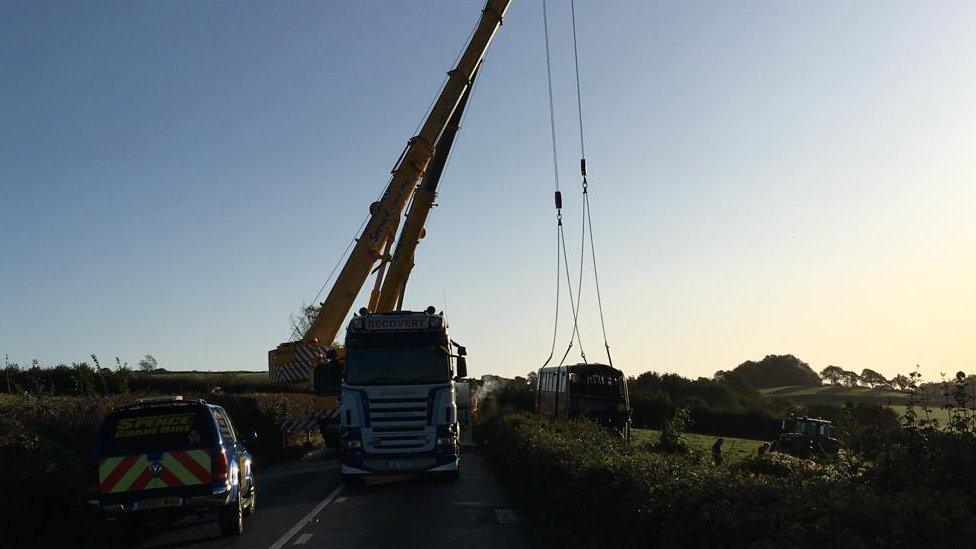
[(362, 463)]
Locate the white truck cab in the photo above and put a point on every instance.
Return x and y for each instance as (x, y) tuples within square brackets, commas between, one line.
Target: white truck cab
[(397, 409)]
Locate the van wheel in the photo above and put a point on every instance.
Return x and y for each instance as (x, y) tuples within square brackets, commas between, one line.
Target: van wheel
[(252, 502), (230, 518)]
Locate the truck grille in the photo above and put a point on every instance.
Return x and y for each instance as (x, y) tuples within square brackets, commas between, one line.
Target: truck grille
[(398, 424), (398, 413)]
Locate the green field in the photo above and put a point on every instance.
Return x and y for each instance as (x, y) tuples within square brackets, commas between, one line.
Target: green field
[(837, 395), (736, 449), (832, 392), (936, 413)]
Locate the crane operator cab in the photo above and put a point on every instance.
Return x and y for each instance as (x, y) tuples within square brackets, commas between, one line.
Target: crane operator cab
[(327, 375), (398, 412)]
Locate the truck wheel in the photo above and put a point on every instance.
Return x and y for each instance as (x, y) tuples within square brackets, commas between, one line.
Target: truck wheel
[(230, 518), (352, 480)]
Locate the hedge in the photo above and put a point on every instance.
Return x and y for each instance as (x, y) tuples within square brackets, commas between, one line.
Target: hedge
[(583, 488)]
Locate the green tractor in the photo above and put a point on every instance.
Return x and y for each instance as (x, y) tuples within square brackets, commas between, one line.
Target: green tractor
[(806, 437)]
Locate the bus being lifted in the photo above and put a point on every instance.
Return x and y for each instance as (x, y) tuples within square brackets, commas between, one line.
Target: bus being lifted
[(596, 391), (398, 411)]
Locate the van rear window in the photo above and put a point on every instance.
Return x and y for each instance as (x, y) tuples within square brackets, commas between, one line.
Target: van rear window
[(155, 429)]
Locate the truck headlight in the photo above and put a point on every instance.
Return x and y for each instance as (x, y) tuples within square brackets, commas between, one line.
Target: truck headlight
[(446, 441), (352, 444)]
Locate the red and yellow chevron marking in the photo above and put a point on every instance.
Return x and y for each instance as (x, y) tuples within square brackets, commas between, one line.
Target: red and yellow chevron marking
[(132, 473)]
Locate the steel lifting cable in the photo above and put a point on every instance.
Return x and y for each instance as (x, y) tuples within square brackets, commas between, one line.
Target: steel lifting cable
[(587, 218), (561, 256), (555, 327)]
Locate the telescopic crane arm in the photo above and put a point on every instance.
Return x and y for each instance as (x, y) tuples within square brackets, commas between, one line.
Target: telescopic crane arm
[(394, 284), (411, 166)]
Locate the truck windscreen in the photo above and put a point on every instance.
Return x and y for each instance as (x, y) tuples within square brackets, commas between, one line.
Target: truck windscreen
[(397, 365)]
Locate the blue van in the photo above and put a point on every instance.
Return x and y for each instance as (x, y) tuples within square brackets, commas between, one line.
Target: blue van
[(170, 456)]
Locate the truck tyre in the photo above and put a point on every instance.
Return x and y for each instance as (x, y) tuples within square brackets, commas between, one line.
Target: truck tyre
[(352, 480), (230, 518)]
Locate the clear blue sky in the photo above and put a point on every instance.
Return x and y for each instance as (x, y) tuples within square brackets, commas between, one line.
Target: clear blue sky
[(767, 177)]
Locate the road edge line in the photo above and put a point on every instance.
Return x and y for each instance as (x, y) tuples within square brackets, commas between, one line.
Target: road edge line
[(306, 519)]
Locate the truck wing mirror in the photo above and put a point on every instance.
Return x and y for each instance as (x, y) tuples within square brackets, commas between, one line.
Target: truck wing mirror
[(462, 367), (462, 351)]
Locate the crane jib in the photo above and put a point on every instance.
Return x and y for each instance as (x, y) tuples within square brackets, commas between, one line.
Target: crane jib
[(394, 284), (418, 153)]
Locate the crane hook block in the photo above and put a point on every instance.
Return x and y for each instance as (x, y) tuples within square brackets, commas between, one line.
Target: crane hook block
[(559, 200), (583, 167)]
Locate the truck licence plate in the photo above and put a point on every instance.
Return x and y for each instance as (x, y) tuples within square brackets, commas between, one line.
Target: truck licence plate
[(157, 503), (401, 465)]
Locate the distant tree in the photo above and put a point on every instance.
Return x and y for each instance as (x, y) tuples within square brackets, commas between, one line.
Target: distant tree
[(900, 382), (101, 374), (148, 363), (775, 371), (723, 375), (121, 366), (84, 375), (851, 379), (301, 322), (833, 374), (872, 378), (533, 378)]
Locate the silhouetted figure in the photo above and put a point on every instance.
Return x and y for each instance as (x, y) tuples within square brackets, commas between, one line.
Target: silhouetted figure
[(717, 450)]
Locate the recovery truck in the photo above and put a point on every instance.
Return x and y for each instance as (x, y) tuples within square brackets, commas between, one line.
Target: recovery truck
[(398, 412), (321, 361)]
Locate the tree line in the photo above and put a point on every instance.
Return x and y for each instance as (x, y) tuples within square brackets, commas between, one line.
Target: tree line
[(835, 375)]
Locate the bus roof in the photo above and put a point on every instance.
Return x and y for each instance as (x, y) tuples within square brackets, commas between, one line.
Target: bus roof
[(584, 369)]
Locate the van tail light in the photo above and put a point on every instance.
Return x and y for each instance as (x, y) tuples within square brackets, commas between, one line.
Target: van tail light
[(220, 466)]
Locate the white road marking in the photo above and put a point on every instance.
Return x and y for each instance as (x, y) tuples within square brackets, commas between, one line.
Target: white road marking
[(340, 500), (470, 504), (506, 516), (305, 520), (302, 539)]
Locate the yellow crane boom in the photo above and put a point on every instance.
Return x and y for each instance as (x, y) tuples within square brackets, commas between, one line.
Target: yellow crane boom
[(395, 281), (379, 231), (409, 169)]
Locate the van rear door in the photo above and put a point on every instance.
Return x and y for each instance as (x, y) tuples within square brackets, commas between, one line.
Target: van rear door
[(153, 448)]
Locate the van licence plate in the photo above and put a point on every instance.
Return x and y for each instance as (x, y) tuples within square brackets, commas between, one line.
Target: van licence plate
[(157, 503)]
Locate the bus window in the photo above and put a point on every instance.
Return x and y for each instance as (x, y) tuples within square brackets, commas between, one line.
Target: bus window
[(599, 385)]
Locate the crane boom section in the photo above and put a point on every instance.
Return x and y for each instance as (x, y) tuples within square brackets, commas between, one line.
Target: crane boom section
[(406, 174), (394, 284)]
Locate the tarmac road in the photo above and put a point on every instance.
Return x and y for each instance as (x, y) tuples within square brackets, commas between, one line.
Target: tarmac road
[(304, 503)]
